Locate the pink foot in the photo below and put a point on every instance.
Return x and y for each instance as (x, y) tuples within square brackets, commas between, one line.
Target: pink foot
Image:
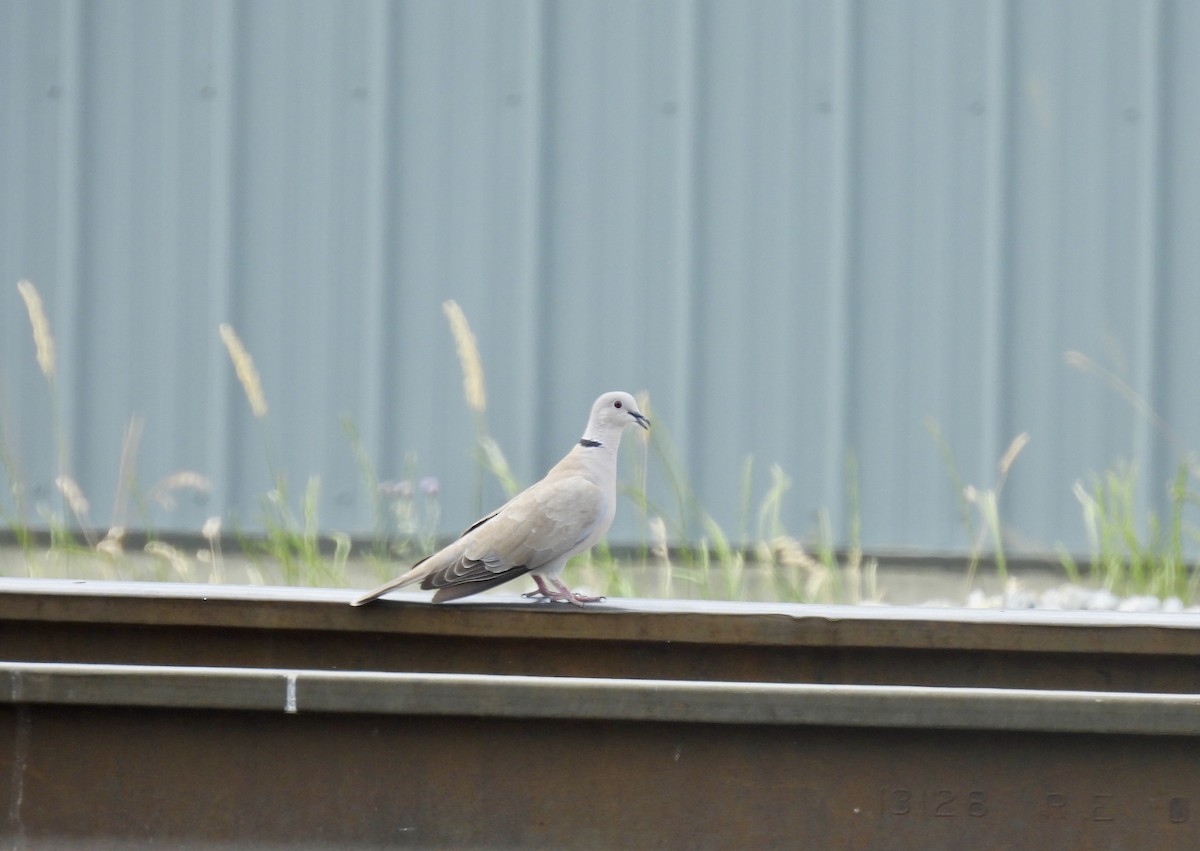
[(561, 593), (566, 595)]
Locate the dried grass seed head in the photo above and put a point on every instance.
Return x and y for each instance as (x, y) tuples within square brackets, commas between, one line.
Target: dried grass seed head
[(468, 356), (42, 339), (73, 494), (247, 373)]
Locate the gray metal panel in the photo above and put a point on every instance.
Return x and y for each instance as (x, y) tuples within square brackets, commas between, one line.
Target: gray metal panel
[(803, 226), (1075, 279), (1174, 252)]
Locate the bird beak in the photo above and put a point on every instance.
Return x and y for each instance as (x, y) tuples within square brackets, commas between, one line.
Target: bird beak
[(641, 420)]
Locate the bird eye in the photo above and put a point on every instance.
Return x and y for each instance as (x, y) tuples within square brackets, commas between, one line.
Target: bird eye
[(617, 404)]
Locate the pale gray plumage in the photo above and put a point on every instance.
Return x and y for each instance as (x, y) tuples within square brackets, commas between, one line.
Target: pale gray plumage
[(540, 529)]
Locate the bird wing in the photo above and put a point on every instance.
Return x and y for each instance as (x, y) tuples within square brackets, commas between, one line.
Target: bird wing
[(550, 520)]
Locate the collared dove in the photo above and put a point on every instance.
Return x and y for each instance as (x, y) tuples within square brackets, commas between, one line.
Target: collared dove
[(539, 529)]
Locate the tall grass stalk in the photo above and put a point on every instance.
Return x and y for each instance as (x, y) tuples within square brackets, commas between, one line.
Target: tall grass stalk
[(746, 496), (984, 501), (294, 542), (1153, 561), (16, 520), (950, 464), (659, 445), (211, 532), (1081, 362), (488, 455), (673, 522), (370, 480), (1126, 559), (770, 526), (47, 359), (650, 529), (127, 471), (860, 574)]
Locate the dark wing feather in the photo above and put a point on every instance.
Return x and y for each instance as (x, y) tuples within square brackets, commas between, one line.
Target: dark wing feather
[(466, 587), (470, 571)]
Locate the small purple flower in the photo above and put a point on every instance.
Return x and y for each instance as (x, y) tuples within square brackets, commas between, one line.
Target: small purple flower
[(429, 486)]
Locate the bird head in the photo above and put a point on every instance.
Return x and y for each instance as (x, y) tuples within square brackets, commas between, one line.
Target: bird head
[(610, 416)]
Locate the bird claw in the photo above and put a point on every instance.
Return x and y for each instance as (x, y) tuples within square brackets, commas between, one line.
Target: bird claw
[(574, 598), (563, 595), (584, 598)]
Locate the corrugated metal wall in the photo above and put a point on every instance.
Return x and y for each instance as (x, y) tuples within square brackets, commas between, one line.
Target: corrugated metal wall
[(804, 227)]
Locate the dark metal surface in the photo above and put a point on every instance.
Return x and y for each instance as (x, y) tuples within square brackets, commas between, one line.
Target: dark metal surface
[(173, 717), (113, 777)]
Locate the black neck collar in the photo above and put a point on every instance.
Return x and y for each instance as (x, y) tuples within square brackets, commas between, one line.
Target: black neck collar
[(590, 444)]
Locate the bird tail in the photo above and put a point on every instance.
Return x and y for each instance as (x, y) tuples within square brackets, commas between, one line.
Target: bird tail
[(399, 582)]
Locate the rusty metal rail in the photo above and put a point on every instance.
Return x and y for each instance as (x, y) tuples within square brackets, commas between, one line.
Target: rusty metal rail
[(225, 626), (176, 716), (592, 699)]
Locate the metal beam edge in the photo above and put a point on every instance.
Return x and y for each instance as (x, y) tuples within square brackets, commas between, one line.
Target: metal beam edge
[(594, 699)]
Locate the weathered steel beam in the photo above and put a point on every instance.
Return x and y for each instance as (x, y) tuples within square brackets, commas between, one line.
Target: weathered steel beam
[(169, 624), (590, 699), (189, 717), (101, 777)]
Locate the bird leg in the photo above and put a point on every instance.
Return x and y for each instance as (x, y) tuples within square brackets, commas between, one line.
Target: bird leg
[(561, 593), (542, 590)]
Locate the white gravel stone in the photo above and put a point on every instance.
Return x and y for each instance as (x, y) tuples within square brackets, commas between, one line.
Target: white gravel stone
[(1102, 600), (1076, 597), (1140, 603), (1020, 599), (1052, 598), (978, 600)]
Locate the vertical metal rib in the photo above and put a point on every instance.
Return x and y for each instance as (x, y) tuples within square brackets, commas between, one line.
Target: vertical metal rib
[(839, 393), (376, 316), (222, 260), (1150, 215), (995, 233)]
